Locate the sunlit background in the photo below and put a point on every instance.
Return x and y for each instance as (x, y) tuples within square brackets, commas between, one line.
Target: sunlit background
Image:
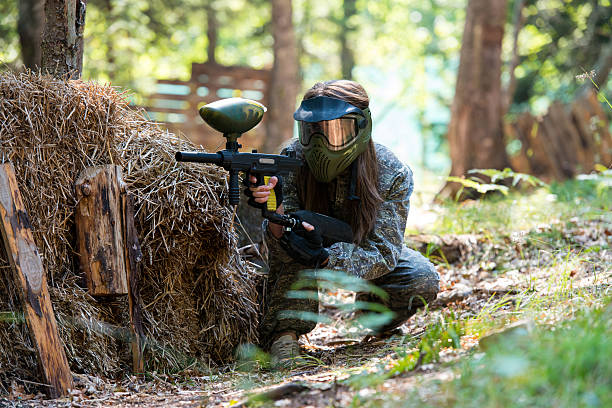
[(406, 54)]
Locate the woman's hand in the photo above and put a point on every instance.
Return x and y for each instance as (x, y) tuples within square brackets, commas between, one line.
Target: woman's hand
[(262, 193)]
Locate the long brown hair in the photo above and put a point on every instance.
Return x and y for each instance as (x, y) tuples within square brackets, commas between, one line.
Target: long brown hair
[(314, 194)]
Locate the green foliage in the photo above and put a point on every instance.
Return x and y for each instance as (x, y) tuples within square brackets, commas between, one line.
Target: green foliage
[(478, 185), (564, 366), (444, 332), (588, 196), (505, 174), (593, 190), (249, 357), (9, 44), (558, 39), (371, 315), (483, 186), (133, 43)]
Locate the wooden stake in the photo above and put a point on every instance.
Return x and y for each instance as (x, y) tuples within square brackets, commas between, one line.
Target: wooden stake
[(30, 277), (133, 256)]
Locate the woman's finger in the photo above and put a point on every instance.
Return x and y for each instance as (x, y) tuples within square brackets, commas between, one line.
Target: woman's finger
[(261, 194), (307, 226), (272, 182)]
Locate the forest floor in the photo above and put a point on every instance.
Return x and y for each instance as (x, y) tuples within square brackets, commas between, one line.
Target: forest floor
[(522, 319)]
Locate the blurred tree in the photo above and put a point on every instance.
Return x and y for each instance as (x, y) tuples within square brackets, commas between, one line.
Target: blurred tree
[(347, 58), (284, 82), (29, 27), (62, 43), (212, 31), (475, 132)]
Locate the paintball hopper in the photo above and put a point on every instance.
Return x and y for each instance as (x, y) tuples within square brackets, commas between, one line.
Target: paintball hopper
[(232, 115)]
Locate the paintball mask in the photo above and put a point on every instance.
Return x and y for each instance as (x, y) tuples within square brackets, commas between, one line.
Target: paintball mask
[(332, 133)]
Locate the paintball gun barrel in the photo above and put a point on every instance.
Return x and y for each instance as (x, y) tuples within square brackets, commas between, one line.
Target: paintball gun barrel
[(234, 116)]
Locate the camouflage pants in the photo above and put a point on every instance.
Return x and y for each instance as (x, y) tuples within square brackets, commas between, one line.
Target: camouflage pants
[(413, 282)]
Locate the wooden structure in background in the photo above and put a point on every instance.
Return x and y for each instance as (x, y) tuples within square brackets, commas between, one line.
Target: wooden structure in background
[(31, 280), (176, 103), (568, 140), (109, 251)]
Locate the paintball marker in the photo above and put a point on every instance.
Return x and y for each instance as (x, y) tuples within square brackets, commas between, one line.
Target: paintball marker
[(233, 117)]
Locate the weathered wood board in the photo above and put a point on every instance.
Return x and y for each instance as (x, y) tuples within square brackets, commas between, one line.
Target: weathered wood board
[(30, 277), (133, 256)]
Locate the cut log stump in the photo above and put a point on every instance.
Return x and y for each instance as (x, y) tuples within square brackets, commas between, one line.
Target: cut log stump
[(30, 277), (99, 230), (109, 251)]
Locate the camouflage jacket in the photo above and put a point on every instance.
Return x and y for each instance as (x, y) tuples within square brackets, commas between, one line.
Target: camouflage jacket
[(378, 254)]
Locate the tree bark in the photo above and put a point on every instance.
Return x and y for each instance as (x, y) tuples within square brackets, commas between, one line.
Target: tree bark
[(62, 44), (29, 26), (284, 81), (475, 133)]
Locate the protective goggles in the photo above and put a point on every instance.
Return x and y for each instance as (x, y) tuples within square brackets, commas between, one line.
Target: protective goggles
[(337, 133), (336, 120)]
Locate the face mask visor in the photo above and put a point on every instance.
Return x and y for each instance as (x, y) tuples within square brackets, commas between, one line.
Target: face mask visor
[(337, 134)]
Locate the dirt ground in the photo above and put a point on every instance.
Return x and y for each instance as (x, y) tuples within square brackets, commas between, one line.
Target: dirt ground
[(488, 272)]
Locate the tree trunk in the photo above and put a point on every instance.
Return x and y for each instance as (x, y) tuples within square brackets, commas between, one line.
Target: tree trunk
[(284, 81), (62, 44), (212, 28), (475, 133), (29, 27), (346, 53)]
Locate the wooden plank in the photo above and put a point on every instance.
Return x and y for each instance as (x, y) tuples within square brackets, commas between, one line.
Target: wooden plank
[(30, 277), (168, 110), (172, 97), (133, 256), (216, 70), (98, 227)]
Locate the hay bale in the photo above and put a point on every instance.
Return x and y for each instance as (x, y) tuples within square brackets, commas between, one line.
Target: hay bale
[(199, 297)]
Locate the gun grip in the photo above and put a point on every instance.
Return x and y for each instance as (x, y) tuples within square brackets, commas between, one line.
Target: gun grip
[(271, 203)]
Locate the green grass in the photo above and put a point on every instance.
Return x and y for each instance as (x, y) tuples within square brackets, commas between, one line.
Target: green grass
[(566, 365), (588, 198)]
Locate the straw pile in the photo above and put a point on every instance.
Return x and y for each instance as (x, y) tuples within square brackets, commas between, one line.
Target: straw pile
[(199, 298)]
